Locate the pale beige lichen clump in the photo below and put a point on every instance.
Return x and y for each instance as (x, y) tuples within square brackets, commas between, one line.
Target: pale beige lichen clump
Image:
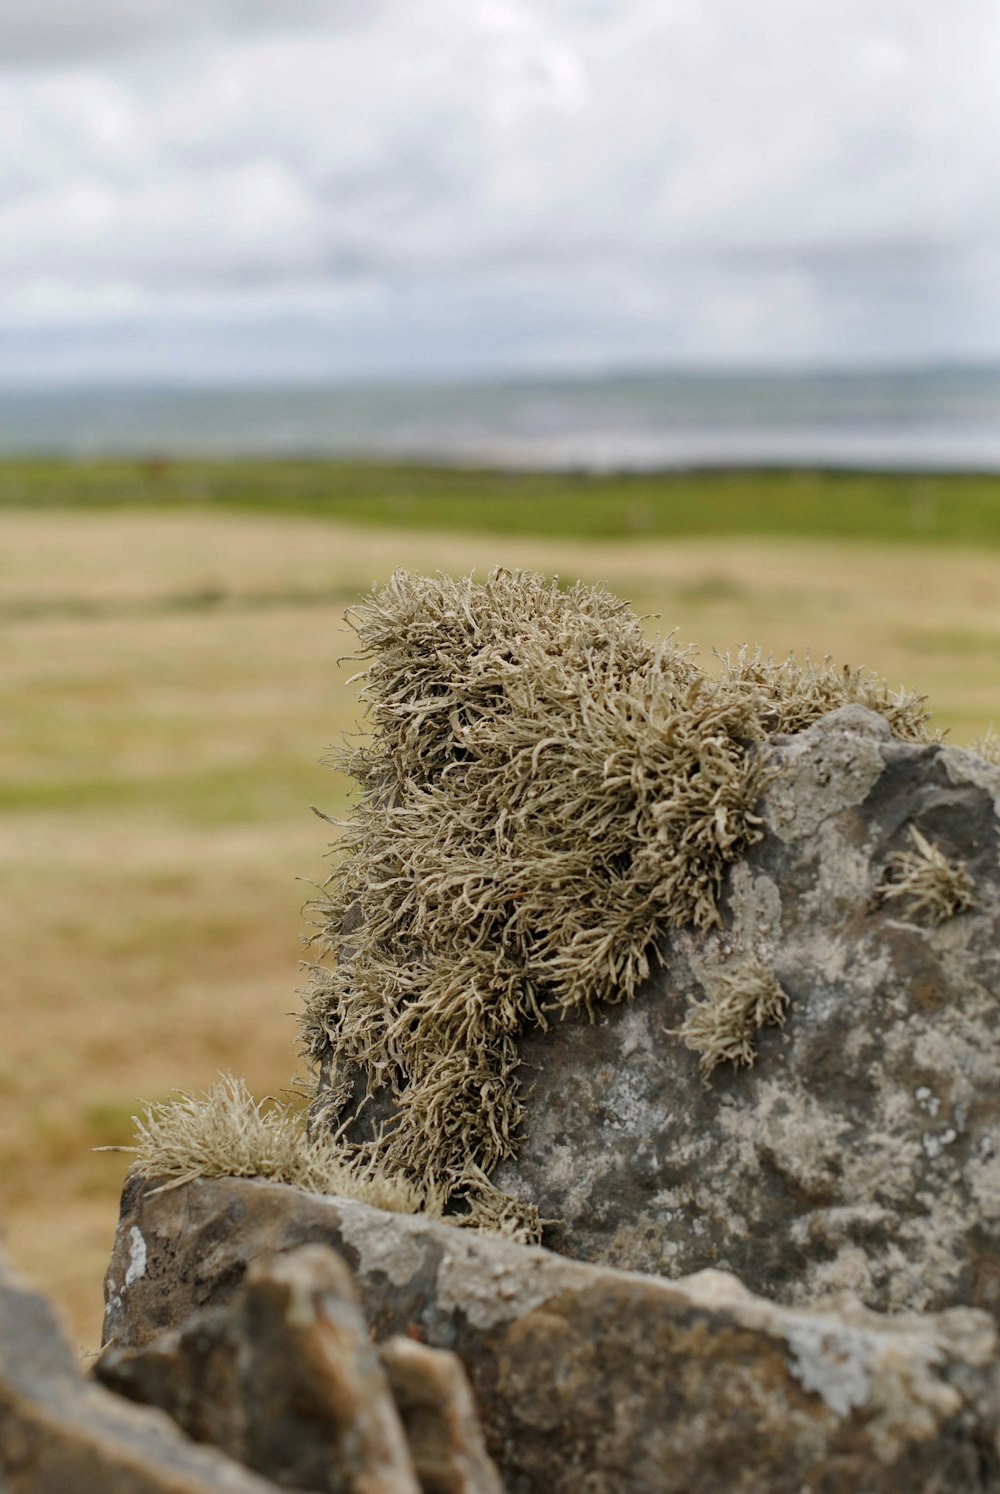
[(792, 696), (226, 1133), (929, 886), (545, 794), (988, 747), (723, 1028)]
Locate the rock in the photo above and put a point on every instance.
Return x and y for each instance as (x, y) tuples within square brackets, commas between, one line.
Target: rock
[(862, 1150), (434, 1399), (591, 1378), (284, 1379), (62, 1434)]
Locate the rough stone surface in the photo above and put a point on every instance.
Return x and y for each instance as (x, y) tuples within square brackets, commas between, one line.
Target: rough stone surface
[(284, 1378), (62, 1434), (435, 1401), (589, 1378), (862, 1151)]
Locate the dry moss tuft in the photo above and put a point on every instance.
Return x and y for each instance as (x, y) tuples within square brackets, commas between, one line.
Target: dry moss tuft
[(792, 695), (931, 886), (226, 1133), (988, 747), (724, 1027), (545, 792)]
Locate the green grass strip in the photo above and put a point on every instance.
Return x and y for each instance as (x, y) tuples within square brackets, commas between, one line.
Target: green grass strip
[(960, 509)]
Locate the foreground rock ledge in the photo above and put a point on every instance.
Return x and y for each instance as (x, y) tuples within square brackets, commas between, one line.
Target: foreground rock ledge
[(61, 1434), (591, 1378), (284, 1377)]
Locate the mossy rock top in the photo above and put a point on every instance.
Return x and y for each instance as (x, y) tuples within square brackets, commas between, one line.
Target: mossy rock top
[(549, 804)]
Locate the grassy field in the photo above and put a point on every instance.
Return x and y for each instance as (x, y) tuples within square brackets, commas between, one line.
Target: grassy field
[(170, 678), (951, 509)]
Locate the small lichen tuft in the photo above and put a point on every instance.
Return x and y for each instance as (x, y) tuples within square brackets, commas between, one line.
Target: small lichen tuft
[(226, 1133), (724, 1027), (988, 747), (931, 886)]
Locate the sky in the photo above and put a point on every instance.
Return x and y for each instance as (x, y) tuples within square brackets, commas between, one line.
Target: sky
[(231, 190)]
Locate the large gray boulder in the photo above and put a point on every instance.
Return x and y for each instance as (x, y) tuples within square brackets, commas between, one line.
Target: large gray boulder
[(592, 1378), (861, 1150)]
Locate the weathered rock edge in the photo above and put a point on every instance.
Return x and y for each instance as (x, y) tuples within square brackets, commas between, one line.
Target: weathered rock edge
[(62, 1434), (592, 1378), (284, 1377)]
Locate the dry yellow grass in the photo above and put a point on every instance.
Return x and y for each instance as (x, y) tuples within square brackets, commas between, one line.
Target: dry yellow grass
[(161, 746)]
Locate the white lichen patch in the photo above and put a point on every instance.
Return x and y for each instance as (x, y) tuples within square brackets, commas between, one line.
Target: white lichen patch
[(982, 1174), (833, 1362), (842, 873), (965, 765), (488, 1292), (962, 1048), (626, 1103), (801, 1137), (715, 1289), (755, 908), (850, 1270), (890, 1369), (136, 1268), (927, 1099), (934, 1142)]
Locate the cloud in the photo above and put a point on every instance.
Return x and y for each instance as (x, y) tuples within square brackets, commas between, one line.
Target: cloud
[(660, 179), (57, 31)]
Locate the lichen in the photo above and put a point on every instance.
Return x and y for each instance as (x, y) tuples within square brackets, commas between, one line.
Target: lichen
[(226, 1133), (740, 1001), (988, 747), (136, 1257), (931, 887), (544, 795), (833, 1360)]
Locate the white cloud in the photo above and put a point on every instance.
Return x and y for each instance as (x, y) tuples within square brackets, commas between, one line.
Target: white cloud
[(657, 179), (39, 32)]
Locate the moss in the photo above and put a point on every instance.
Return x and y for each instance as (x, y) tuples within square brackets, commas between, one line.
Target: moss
[(545, 794)]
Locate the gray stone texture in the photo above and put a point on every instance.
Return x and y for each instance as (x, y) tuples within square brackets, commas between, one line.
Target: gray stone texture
[(862, 1151), (589, 1378)]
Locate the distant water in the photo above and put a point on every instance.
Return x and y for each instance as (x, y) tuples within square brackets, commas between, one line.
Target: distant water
[(930, 420)]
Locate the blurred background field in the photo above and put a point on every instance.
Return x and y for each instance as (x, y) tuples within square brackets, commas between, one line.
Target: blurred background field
[(172, 671)]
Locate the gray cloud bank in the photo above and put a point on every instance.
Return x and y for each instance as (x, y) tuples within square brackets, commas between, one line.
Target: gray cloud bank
[(228, 188)]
